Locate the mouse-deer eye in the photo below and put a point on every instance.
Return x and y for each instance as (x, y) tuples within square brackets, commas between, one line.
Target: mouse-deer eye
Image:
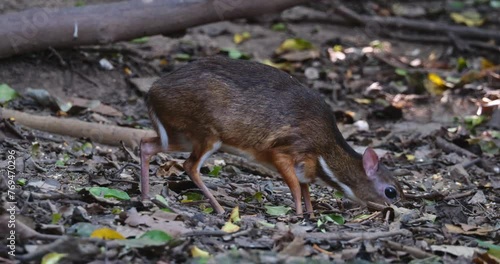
[(391, 192)]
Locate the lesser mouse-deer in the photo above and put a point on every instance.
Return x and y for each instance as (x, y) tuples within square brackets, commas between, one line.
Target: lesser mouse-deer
[(260, 111)]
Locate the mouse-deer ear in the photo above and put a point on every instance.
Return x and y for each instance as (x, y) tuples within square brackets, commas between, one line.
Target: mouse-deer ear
[(370, 162)]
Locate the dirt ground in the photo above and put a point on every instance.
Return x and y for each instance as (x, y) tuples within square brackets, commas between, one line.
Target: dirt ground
[(448, 170)]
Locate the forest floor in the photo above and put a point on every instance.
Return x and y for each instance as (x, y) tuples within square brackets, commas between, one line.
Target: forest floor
[(430, 110)]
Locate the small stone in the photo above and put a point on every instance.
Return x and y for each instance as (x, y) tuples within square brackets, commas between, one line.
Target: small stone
[(320, 85), (312, 73), (362, 125), (105, 64)]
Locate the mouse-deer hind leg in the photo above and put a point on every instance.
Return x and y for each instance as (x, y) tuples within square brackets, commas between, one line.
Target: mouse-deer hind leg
[(149, 147), (201, 151), (175, 140)]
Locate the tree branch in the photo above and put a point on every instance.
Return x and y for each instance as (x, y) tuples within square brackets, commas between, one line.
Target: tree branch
[(41, 28)]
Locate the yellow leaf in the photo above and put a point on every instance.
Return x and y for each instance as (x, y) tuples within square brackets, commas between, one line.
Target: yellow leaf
[(350, 113), (127, 71), (230, 227), (434, 84), (198, 253), (469, 18), (106, 233), (61, 113), (285, 66), (235, 215), (163, 62), (52, 258), (410, 157), (294, 44), (363, 101), (486, 64), (338, 48), (434, 78), (239, 38)]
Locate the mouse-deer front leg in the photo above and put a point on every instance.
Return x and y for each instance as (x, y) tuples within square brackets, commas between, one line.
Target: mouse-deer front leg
[(285, 166)]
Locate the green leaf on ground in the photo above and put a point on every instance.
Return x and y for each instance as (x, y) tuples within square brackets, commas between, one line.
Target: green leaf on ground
[(279, 27), (215, 171), (79, 3), (140, 40), (7, 93), (334, 218), (182, 56), (108, 193), (277, 210), (192, 196), (55, 218), (156, 235), (473, 121), (21, 181), (52, 258), (493, 249), (236, 54), (401, 72)]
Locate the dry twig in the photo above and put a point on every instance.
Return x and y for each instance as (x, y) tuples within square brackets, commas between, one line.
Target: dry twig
[(450, 147), (419, 25), (414, 251), (354, 235)]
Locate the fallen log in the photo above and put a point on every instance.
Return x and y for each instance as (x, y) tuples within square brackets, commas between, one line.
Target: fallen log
[(104, 134), (41, 28)]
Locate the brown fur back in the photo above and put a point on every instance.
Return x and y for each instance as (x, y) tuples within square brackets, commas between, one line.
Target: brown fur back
[(247, 105)]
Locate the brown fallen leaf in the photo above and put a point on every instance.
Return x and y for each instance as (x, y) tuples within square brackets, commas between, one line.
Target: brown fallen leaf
[(296, 248), (170, 168), (162, 215), (173, 228), (135, 219), (129, 231), (95, 106), (143, 84), (468, 230)]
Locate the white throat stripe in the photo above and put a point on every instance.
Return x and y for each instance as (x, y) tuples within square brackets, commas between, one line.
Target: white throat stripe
[(347, 191)]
